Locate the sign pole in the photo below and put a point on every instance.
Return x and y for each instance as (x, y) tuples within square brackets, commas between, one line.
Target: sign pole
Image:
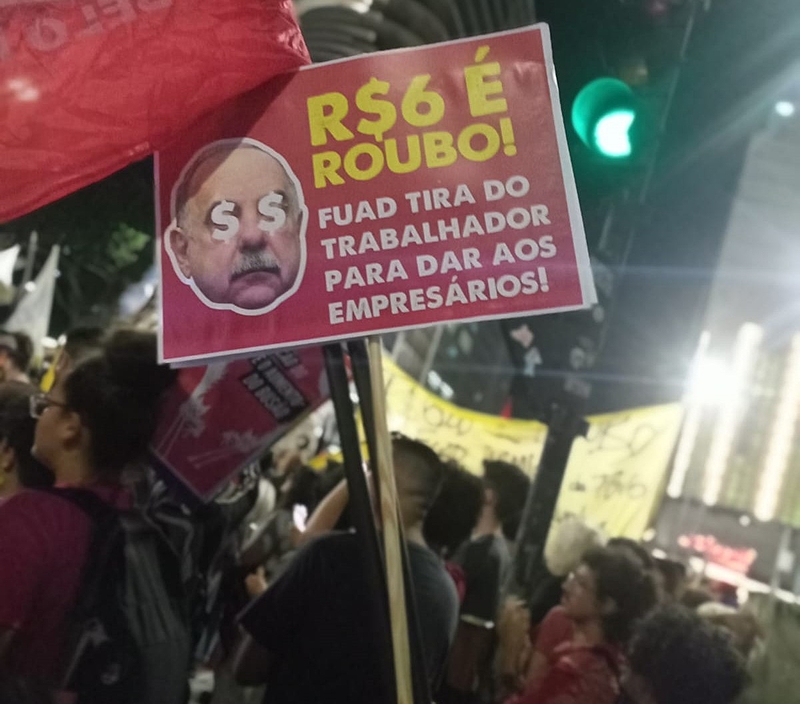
[(392, 536), (359, 357), (360, 505)]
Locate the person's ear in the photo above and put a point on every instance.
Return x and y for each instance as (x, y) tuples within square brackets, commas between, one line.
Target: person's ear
[(71, 430), (178, 242)]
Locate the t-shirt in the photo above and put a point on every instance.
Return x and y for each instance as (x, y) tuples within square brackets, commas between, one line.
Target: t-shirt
[(43, 546), (578, 674), (316, 623), (486, 561)]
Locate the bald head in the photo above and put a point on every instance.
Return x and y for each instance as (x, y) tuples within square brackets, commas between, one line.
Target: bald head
[(211, 158)]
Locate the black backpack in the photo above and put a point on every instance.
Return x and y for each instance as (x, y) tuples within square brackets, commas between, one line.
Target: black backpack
[(130, 637)]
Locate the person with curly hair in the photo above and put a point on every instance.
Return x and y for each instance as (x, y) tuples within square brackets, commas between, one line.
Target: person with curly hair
[(603, 598), (676, 657)]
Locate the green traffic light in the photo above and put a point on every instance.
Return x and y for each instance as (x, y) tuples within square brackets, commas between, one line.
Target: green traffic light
[(603, 114), (612, 133)]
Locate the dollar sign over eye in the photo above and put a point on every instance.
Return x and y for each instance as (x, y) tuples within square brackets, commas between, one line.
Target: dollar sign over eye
[(368, 103), (271, 207), (227, 223)]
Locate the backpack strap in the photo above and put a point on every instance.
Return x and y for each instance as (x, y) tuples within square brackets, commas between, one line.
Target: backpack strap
[(106, 528), (98, 511)]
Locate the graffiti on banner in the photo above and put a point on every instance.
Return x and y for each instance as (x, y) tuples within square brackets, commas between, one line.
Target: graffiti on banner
[(220, 418), (614, 478)]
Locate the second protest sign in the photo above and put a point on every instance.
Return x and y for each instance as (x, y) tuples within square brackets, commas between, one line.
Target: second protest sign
[(390, 191)]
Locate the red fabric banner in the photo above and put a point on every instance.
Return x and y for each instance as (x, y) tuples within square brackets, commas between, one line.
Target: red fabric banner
[(88, 86)]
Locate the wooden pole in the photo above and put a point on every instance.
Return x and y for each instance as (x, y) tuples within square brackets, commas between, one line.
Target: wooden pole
[(359, 358), (391, 529)]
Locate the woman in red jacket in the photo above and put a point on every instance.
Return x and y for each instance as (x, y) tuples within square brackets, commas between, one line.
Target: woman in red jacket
[(603, 598)]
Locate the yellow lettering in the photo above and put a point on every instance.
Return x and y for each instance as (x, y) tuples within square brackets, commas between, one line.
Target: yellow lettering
[(416, 96), (479, 88), (465, 142), (351, 162), (439, 150), (414, 156), (326, 169), (322, 121)]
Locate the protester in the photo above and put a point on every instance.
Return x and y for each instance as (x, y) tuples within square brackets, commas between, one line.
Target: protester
[(676, 658), (18, 468), (528, 633), (301, 488), (455, 512), (93, 423), (636, 550), (695, 596), (672, 577), (603, 599), (16, 352), (311, 637), (572, 539), (453, 517), (486, 561), (741, 625)]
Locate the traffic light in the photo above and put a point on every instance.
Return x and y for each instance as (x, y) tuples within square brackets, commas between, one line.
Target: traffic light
[(603, 114)]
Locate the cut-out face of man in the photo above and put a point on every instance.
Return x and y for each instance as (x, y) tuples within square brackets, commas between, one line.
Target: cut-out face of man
[(238, 233)]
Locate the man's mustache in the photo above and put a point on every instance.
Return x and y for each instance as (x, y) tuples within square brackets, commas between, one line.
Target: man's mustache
[(249, 262)]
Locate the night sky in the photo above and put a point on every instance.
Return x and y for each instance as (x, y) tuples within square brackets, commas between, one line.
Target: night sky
[(723, 97)]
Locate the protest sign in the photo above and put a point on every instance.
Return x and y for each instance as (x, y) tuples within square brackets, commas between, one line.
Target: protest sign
[(389, 191), (88, 87), (217, 419)]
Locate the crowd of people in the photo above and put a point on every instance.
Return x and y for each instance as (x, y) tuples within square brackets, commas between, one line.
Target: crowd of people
[(114, 590)]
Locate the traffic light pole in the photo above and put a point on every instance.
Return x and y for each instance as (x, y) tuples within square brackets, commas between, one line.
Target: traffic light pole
[(565, 421), (565, 424)]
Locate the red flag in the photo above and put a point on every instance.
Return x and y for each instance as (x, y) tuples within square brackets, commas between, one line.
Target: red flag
[(88, 86)]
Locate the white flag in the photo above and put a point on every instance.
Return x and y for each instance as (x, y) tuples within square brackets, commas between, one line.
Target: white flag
[(32, 314), (8, 258)]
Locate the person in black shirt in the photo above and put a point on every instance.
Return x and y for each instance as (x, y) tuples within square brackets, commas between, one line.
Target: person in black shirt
[(486, 561), (311, 637)]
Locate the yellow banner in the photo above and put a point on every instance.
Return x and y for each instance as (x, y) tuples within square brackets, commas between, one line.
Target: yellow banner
[(615, 476)]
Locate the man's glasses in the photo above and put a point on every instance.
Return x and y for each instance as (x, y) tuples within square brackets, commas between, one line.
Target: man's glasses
[(40, 403)]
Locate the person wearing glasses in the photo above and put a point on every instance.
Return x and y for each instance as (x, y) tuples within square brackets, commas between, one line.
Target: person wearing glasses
[(603, 598), (95, 422), (18, 468)]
